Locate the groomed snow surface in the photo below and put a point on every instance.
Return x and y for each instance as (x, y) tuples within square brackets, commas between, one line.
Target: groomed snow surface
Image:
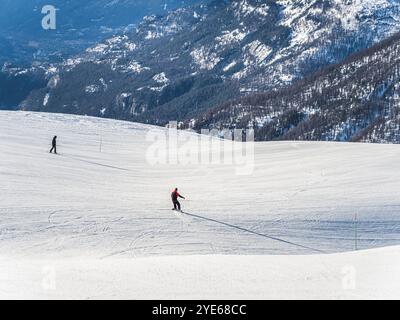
[(95, 221)]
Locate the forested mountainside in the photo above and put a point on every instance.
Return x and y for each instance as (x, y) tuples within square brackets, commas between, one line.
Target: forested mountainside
[(357, 100), (180, 65)]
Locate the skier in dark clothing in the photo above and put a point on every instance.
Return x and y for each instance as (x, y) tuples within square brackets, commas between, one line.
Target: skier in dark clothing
[(174, 196), (54, 145)]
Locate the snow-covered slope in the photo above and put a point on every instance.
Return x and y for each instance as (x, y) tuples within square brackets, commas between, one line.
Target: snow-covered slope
[(95, 221), (364, 275)]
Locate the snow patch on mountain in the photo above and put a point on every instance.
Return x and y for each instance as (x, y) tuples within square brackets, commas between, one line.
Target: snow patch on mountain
[(135, 67), (229, 37), (245, 8), (53, 82), (161, 78), (352, 13), (100, 48), (93, 88), (230, 66), (46, 99), (205, 58), (256, 51), (71, 63)]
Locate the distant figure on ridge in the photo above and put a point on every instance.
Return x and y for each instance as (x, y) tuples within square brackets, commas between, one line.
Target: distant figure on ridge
[(54, 145), (174, 196)]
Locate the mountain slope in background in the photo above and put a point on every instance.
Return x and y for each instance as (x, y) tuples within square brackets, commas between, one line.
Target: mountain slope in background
[(357, 100), (180, 65), (26, 49), (79, 25)]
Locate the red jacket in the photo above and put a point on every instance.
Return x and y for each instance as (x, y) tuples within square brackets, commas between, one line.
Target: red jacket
[(175, 195)]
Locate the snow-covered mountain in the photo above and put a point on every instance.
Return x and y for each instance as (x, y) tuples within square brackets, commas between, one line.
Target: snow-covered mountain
[(26, 48), (357, 100), (95, 221), (179, 65), (79, 24)]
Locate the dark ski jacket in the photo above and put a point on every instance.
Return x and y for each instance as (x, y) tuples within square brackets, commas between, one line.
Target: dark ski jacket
[(175, 195), (54, 142)]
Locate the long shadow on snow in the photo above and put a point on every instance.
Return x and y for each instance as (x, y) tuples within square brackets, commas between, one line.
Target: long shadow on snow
[(97, 164), (252, 232)]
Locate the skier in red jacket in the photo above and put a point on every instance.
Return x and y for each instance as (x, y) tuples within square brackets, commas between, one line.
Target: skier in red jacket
[(174, 196)]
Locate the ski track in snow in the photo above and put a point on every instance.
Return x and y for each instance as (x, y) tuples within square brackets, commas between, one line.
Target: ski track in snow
[(114, 206)]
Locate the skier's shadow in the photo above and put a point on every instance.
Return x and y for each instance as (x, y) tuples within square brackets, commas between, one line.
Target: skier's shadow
[(97, 163), (252, 232)]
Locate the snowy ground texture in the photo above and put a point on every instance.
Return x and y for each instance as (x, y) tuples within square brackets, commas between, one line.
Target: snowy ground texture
[(96, 220)]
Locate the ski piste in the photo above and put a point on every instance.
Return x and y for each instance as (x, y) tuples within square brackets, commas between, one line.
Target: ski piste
[(88, 218), (250, 231)]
